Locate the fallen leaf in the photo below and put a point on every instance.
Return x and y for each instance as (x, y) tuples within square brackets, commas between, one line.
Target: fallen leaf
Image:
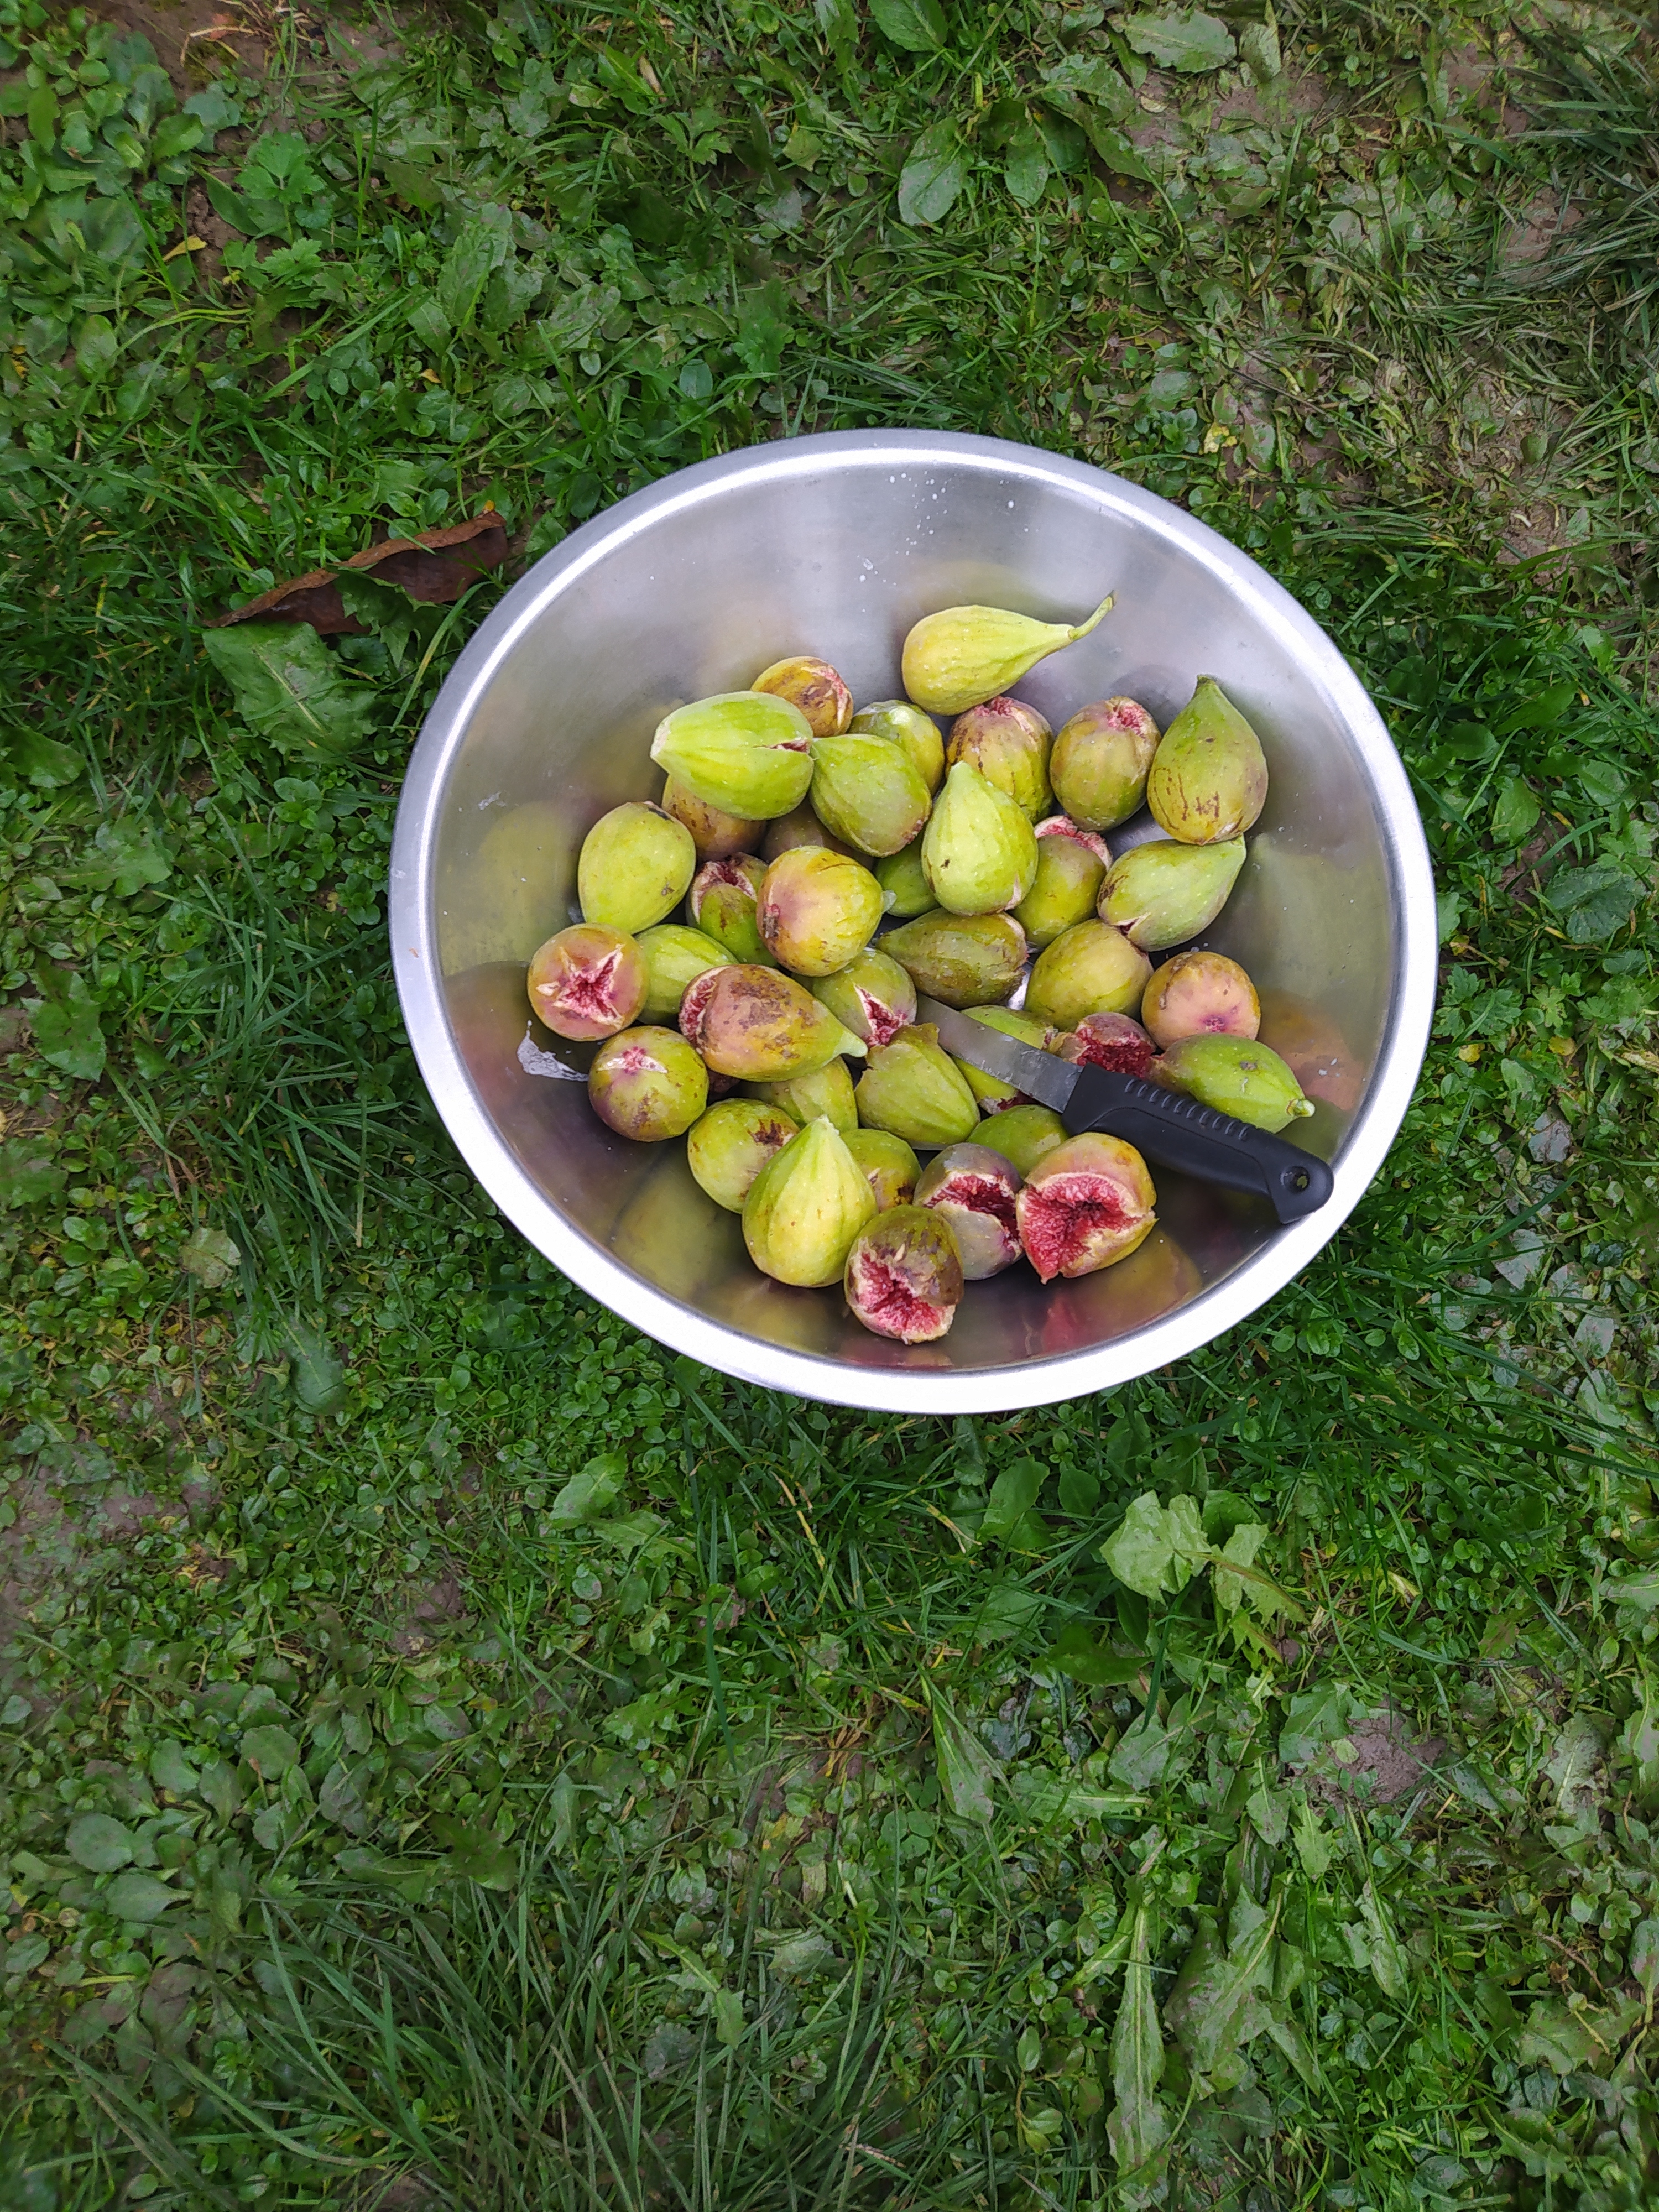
[(210, 1256), (435, 567)]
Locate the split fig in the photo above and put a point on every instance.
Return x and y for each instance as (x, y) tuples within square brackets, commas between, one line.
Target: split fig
[(587, 981), (873, 996), (759, 1026), (648, 1084), (1087, 1203), (1162, 893), (904, 1278), (1114, 1041), (974, 1188), (723, 905)]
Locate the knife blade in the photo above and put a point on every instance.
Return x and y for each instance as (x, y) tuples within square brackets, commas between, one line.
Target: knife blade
[(1166, 1126)]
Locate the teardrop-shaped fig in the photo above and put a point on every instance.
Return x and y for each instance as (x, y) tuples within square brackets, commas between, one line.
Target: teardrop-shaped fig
[(800, 826), (674, 957), (914, 733), (913, 1088), (758, 1025), (747, 752), (806, 1206), (1072, 863), (813, 686), (1200, 995), (890, 1165), (818, 909), (1237, 1076), (587, 981), (1209, 776), (1085, 1205), (867, 791), (1162, 893), (963, 655), (1091, 968), (827, 1090), (904, 1278), (1023, 1135), (725, 903), (978, 851), (1100, 762), (1114, 1041), (727, 1148), (965, 960), (716, 836), (635, 865), (904, 883), (648, 1084), (873, 996), (974, 1188), (994, 1095), (1008, 743)]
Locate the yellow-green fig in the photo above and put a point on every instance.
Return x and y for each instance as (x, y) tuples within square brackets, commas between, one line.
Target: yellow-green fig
[(759, 1026), (904, 883), (747, 752), (806, 1206), (1236, 1075), (818, 909), (1085, 1205), (916, 734), (1209, 776), (716, 836), (727, 1148), (725, 904), (867, 791), (648, 1084), (675, 957), (1072, 863), (1023, 1135), (1008, 743), (827, 1090), (813, 686), (588, 981), (965, 960), (974, 1188), (635, 865), (994, 1096), (1100, 762), (800, 826), (963, 655), (913, 1088), (888, 1161), (1091, 968), (1200, 995), (872, 995), (903, 1277), (979, 851), (1162, 893)]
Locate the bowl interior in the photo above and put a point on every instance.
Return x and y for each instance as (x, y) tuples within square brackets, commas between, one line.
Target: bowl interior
[(548, 721)]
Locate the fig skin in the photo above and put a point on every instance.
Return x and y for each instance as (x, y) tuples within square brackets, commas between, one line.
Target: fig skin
[(806, 1207), (1236, 1075), (1023, 1135), (723, 902), (1209, 776), (727, 1148), (759, 1025), (994, 1095), (1114, 1041), (800, 826), (916, 734), (634, 868), (1200, 995), (827, 1090), (813, 686), (1071, 865), (1091, 968), (903, 1277), (1085, 1205), (873, 996), (749, 753), (1101, 759), (818, 910), (1008, 743), (889, 1163), (648, 1084), (675, 956), (867, 791), (979, 851), (964, 959), (904, 883), (961, 656), (587, 981), (974, 1188), (1161, 893), (717, 836), (913, 1089)]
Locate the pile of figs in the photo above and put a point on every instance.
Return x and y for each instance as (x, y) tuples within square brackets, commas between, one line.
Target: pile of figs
[(729, 968)]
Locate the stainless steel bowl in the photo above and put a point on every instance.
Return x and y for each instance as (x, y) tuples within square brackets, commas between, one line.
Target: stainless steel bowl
[(835, 545)]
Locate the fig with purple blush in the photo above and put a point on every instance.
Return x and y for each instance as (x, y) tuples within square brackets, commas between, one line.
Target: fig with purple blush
[(759, 1025), (890, 1163), (812, 686), (903, 1277), (1114, 1041), (974, 1188), (872, 995), (648, 1084), (1008, 743), (727, 1148), (1086, 1204), (1023, 1134), (1091, 968), (1200, 995), (1072, 863), (587, 981), (827, 1090), (724, 904), (818, 910), (1100, 762), (806, 1206), (717, 836)]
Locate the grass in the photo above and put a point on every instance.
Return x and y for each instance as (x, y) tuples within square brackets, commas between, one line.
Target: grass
[(454, 1753)]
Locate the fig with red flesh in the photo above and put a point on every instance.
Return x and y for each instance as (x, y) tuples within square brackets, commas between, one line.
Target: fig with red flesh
[(975, 1189), (1114, 1041), (648, 1084), (872, 994), (588, 981), (903, 1277), (1087, 1203)]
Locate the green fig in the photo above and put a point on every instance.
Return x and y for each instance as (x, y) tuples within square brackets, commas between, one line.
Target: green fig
[(903, 1277), (731, 1143), (994, 1096), (1235, 1075), (816, 910), (978, 851), (717, 836), (872, 995), (888, 1161), (725, 903), (963, 655), (1100, 762), (675, 957), (916, 734), (827, 1090), (814, 687), (966, 960), (1200, 995), (1162, 893), (1209, 776), (974, 1188), (1008, 743), (1071, 865), (915, 1090), (1023, 1135), (800, 826), (648, 1084), (747, 752), (758, 1025), (1091, 968), (904, 883), (1083, 1205), (806, 1207), (635, 865), (865, 791), (588, 981)]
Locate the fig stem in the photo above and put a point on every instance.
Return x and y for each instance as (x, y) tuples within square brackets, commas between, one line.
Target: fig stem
[(1084, 628)]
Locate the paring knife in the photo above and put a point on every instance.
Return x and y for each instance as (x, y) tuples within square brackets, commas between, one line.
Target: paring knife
[(1169, 1129)]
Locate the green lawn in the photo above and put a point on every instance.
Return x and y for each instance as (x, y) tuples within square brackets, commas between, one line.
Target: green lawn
[(390, 1822)]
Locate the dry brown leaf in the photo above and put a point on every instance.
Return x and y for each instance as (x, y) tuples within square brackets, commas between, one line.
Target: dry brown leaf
[(436, 566)]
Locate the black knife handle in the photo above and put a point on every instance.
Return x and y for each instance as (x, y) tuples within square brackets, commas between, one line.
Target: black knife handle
[(1174, 1131)]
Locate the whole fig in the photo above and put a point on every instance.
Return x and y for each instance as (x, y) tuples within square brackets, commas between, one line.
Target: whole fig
[(873, 996), (888, 1161), (814, 687), (827, 1090), (963, 655), (867, 791), (1209, 776), (717, 836), (648, 1084), (1109, 1041), (974, 1188), (1163, 893), (806, 1207), (674, 957), (725, 905), (1236, 1076), (587, 981), (913, 1089), (1091, 968), (635, 865), (800, 826), (1200, 995), (916, 734), (904, 883), (747, 752), (1008, 743), (758, 1025), (816, 910), (994, 1095), (966, 960), (1085, 1205), (978, 851), (1072, 863), (1023, 1135), (731, 1143), (904, 1278), (1100, 762)]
